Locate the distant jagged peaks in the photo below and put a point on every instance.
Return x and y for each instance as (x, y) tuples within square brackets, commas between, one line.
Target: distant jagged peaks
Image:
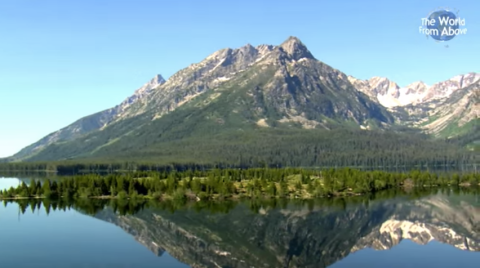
[(228, 61), (389, 94), (375, 87), (446, 88), (296, 49)]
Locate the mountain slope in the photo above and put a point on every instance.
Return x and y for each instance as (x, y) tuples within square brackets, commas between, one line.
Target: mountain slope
[(267, 104), (242, 88), (446, 117), (287, 78), (92, 122)]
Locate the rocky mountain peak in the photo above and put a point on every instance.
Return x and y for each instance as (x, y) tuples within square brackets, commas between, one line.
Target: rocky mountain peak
[(466, 79), (418, 88), (446, 88), (379, 80), (248, 51), (296, 49), (418, 84), (265, 48), (383, 85), (158, 80), (247, 47), (375, 87), (146, 90)]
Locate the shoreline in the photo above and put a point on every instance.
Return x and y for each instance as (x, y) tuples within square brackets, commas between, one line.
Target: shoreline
[(232, 184), (234, 197)]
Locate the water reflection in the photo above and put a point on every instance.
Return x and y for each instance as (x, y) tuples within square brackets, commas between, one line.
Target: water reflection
[(6, 183), (277, 233)]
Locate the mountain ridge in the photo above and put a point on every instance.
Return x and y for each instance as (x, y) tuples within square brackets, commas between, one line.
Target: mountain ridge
[(265, 86), (91, 122), (390, 94)]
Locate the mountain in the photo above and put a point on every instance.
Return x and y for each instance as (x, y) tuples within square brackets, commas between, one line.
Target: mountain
[(447, 117), (389, 94), (446, 109), (292, 235), (92, 122), (376, 88), (286, 80), (248, 105)]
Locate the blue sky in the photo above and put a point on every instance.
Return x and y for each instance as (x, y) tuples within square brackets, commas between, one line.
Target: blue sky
[(62, 60)]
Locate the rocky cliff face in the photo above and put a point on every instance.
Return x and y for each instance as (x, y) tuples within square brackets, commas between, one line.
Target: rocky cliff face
[(302, 237)]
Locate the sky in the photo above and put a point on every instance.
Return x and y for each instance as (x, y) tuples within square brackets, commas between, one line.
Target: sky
[(62, 60)]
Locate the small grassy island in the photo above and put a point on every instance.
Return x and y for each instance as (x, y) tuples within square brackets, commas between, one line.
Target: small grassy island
[(232, 184)]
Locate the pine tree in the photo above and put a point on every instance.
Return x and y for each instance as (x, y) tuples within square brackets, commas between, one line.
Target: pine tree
[(46, 188)]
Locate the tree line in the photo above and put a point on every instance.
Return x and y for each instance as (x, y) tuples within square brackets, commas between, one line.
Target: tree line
[(233, 183), (133, 206)]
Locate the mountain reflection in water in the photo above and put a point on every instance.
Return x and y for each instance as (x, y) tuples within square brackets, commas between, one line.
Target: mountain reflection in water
[(278, 233)]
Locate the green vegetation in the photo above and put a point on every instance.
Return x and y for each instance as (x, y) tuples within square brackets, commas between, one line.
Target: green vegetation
[(72, 168), (470, 136), (233, 183), (263, 116), (455, 130), (225, 131), (93, 206), (246, 148), (430, 120)]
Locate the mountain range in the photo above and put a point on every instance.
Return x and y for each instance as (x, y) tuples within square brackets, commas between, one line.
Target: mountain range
[(300, 235), (267, 98)]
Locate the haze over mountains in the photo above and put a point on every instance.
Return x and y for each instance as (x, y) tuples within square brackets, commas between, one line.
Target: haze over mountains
[(269, 88)]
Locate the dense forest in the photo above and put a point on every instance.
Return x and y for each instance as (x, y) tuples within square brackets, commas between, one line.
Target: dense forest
[(233, 183), (73, 167), (274, 148), (287, 148)]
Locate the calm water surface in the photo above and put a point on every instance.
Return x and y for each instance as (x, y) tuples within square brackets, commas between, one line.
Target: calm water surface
[(437, 229)]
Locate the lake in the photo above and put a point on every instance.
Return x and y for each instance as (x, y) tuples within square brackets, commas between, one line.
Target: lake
[(435, 228)]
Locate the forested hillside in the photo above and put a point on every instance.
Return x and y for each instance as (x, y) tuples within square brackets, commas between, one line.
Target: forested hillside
[(271, 105)]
